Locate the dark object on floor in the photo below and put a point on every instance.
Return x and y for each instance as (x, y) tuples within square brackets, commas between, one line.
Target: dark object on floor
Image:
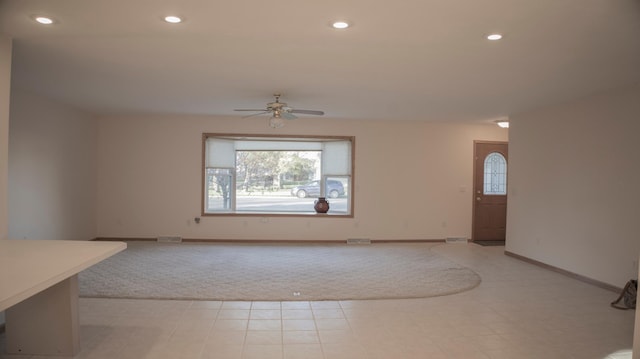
[(490, 243), (628, 296)]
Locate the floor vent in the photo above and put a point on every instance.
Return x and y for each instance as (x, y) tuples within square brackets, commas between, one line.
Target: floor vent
[(358, 241), (169, 239), (456, 240)]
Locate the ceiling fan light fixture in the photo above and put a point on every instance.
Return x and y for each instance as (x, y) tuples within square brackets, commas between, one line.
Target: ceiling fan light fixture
[(340, 25), (276, 121)]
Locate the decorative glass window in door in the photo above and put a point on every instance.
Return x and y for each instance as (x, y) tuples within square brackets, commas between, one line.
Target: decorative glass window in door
[(495, 174)]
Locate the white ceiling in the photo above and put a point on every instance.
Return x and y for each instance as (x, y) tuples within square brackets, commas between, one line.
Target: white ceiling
[(407, 60)]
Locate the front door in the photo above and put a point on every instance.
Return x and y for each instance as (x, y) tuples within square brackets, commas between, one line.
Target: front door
[(489, 190)]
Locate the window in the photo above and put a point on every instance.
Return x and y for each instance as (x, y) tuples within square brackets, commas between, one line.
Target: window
[(279, 175), (495, 174)]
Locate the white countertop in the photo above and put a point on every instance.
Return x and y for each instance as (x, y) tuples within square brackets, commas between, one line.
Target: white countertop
[(28, 267)]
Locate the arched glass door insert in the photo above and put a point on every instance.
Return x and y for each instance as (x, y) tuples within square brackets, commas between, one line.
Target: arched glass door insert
[(495, 174)]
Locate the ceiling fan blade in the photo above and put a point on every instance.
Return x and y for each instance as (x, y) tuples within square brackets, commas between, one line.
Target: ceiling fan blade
[(255, 114), (308, 112), (252, 110), (288, 116)]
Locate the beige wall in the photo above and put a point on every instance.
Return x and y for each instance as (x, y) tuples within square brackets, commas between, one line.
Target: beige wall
[(408, 179), (574, 175), (52, 170), (5, 90)]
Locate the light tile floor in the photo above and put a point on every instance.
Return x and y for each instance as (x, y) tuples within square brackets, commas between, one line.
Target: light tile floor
[(518, 311)]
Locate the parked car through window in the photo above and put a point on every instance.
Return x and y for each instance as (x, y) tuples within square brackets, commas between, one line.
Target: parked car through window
[(334, 189)]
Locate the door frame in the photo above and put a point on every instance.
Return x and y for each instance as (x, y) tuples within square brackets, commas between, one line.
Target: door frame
[(473, 183)]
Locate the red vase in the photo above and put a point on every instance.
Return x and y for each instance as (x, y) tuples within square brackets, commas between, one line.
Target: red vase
[(321, 205)]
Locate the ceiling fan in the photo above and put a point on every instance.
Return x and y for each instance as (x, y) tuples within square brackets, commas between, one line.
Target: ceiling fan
[(279, 111)]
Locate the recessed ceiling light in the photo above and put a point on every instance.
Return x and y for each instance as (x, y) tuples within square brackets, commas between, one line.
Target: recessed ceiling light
[(504, 123), (340, 25), (494, 37), (173, 19), (44, 20)]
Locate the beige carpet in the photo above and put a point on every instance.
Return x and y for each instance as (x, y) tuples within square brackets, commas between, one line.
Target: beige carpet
[(270, 272)]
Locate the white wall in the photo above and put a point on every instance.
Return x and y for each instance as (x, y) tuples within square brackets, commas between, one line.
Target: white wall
[(52, 170), (574, 176), (407, 180), (5, 94)]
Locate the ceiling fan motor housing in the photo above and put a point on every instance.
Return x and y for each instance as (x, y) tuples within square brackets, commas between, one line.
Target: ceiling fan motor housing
[(278, 106)]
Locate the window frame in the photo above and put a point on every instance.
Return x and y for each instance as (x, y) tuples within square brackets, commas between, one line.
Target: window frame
[(275, 138)]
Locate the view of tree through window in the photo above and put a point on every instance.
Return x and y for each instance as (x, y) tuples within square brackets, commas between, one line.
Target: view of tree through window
[(276, 175), (270, 170)]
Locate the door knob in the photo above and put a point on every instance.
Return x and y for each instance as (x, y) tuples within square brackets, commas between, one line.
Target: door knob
[(478, 198)]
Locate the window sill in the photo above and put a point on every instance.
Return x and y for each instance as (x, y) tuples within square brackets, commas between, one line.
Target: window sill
[(278, 214)]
